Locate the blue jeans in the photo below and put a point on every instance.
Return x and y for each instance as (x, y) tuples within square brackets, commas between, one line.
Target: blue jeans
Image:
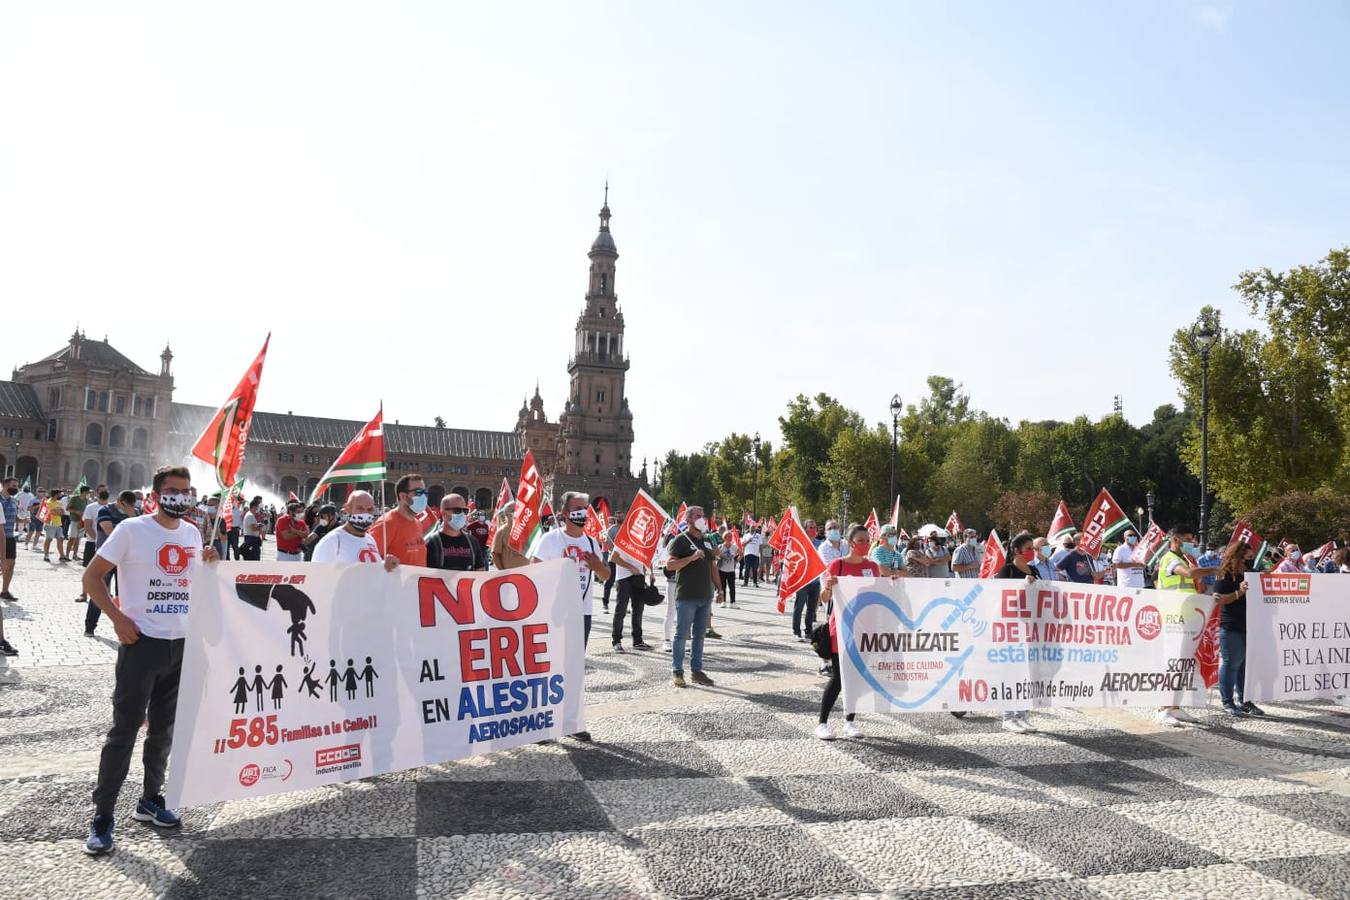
[(690, 613), (805, 601), (1232, 665)]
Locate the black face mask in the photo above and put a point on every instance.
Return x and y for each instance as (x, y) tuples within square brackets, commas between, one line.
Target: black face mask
[(12, 491)]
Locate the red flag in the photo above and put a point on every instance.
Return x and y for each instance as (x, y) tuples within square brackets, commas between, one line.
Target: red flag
[(148, 506), (1323, 552), (43, 514), (895, 512), (529, 496), (801, 562), (734, 536), (361, 460), (291, 498), (1151, 545), (873, 525), (593, 527), (503, 498), (675, 523), (780, 531), (1105, 519), (954, 524), (429, 520), (641, 529), (994, 557), (904, 535), (546, 511), (1244, 533), (223, 441), (747, 521), (1060, 525), (603, 511)]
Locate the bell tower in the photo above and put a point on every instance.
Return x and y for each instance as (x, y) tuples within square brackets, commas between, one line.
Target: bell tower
[(596, 428)]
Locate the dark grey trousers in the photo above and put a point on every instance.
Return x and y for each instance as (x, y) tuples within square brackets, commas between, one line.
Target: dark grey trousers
[(145, 690)]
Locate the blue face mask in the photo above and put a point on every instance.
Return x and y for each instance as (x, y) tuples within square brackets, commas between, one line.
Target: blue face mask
[(458, 521), (832, 534), (419, 504), (1190, 549)]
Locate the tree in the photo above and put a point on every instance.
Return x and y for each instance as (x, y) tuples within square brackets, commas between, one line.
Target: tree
[(1308, 518), (1024, 511), (1176, 491), (686, 478), (860, 463), (809, 431)]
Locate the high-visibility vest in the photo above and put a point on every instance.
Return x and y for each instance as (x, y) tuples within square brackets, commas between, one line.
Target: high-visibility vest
[(1173, 582)]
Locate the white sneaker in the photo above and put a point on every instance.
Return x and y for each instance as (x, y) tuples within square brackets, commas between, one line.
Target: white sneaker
[(1182, 716), (1169, 717), (1014, 724), (618, 648), (852, 731), (824, 733), (665, 645)]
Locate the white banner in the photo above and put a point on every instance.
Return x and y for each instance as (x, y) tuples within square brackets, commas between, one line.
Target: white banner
[(922, 645), (1298, 636), (298, 675)]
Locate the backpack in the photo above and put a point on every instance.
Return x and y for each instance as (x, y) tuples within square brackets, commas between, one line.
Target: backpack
[(820, 640)]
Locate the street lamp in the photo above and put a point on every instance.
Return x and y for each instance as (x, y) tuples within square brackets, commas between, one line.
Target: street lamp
[(843, 519), (754, 469), (1203, 336), (896, 408), (14, 469), (1150, 498)]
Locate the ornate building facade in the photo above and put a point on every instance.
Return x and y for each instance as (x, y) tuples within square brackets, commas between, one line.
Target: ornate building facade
[(87, 411)]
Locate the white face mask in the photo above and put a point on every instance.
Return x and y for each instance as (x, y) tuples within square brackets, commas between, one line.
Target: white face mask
[(701, 524)]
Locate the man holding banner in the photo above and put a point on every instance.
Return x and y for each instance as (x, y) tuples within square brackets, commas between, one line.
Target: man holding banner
[(155, 557), (1178, 571)]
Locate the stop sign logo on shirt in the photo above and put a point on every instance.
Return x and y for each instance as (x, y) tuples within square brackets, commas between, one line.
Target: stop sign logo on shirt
[(173, 559)]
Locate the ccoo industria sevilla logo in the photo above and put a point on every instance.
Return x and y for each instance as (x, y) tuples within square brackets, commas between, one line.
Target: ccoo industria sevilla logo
[(1285, 587)]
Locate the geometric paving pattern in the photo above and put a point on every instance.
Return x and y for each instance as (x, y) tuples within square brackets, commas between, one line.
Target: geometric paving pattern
[(719, 793)]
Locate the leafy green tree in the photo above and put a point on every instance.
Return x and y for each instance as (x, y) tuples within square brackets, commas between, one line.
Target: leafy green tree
[(810, 429), (1016, 511), (860, 462), (686, 478), (1308, 518)]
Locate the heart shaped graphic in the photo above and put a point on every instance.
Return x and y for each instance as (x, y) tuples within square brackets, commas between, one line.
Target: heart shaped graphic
[(958, 609)]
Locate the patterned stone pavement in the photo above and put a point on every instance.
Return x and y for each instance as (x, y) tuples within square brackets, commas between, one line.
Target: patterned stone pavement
[(700, 793)]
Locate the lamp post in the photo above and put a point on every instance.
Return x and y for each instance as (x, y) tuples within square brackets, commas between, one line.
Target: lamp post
[(843, 519), (1150, 498), (14, 469), (896, 408), (1203, 337), (754, 479)]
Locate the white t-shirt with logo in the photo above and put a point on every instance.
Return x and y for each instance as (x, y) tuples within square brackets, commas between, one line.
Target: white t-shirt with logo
[(750, 545), (556, 544), (252, 528), (340, 545), (155, 566), (1133, 578)]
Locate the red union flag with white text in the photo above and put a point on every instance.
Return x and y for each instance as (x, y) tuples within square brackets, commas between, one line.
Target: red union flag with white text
[(225, 437), (593, 526), (954, 524), (780, 532), (1105, 520), (1151, 545), (361, 460), (1060, 525), (801, 562), (994, 557), (675, 523), (503, 498), (873, 525), (529, 496), (641, 530), (1246, 534)]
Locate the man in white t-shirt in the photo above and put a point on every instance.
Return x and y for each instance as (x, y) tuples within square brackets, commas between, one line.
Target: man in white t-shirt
[(750, 557), (572, 542), (251, 548), (351, 542), (87, 528), (1129, 573), (156, 558)]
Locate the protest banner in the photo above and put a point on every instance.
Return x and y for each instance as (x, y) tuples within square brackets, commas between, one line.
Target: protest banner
[(921, 645), (293, 680), (1298, 636)]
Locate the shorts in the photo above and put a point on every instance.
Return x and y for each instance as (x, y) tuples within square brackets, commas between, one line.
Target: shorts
[(74, 529), (54, 531), (11, 545)]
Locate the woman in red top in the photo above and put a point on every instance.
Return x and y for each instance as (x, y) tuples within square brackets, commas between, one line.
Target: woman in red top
[(855, 563)]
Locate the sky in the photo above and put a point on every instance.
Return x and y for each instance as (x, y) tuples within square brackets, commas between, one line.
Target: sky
[(1026, 197)]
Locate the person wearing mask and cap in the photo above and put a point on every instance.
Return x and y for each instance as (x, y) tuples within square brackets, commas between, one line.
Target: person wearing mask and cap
[(1129, 574), (886, 553), (451, 546), (966, 557), (352, 542), (325, 520), (291, 533), (399, 531)]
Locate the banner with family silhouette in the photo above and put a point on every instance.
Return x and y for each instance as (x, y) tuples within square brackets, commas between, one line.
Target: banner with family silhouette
[(299, 675), (924, 645)]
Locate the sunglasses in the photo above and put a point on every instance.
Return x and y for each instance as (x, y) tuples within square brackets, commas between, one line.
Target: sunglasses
[(417, 492), (457, 509)]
